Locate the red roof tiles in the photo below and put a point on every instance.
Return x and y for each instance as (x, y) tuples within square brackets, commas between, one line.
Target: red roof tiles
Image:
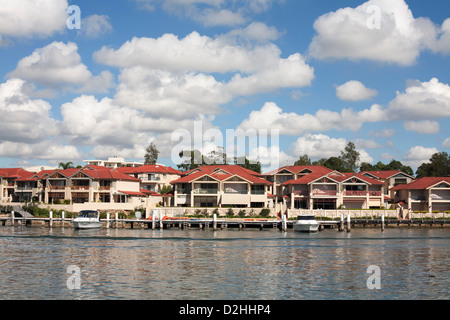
[(222, 173), (423, 183)]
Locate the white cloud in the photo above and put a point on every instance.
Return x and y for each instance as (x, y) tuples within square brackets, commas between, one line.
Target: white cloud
[(446, 143), (318, 146), (384, 133), (165, 94), (211, 12), (192, 53), (22, 118), (177, 77), (417, 155), (270, 116), (32, 18), (423, 127), (354, 91), (95, 26), (256, 31), (422, 100), (349, 33), (45, 150), (58, 65)]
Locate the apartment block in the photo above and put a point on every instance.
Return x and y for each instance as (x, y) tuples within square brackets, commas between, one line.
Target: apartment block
[(222, 185)]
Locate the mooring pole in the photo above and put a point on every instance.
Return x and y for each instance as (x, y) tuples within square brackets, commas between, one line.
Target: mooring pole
[(341, 224)]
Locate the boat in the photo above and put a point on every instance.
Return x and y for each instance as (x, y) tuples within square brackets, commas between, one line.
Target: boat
[(87, 219), (306, 223)]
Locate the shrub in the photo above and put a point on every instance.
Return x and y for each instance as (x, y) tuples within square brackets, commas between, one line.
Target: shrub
[(242, 213), (230, 212), (265, 212)]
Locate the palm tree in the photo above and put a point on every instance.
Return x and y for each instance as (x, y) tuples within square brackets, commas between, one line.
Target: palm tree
[(66, 165)]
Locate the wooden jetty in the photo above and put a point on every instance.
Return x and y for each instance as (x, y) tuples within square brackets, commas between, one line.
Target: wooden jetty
[(344, 224)]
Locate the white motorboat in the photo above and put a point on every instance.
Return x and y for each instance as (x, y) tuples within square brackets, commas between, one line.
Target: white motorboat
[(306, 223), (87, 219)]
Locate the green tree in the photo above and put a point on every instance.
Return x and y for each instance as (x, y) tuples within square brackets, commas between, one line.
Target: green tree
[(192, 159), (65, 165), (350, 157), (335, 163), (151, 154), (165, 190), (304, 160), (439, 166), (253, 165)]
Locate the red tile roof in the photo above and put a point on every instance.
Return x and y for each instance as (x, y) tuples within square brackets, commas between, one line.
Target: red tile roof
[(14, 172), (297, 169), (222, 173), (423, 183), (384, 174), (94, 172), (338, 177)]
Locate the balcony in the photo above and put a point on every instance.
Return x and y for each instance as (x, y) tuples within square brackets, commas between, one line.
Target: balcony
[(206, 191), (301, 193), (440, 197), (355, 193), (320, 192), (104, 188), (57, 187), (77, 188)]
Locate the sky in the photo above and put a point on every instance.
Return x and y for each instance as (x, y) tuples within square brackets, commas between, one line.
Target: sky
[(96, 79)]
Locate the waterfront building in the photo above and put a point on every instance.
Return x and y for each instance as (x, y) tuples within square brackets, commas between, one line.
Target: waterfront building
[(426, 194), (9, 190), (390, 179), (154, 178), (222, 186), (317, 187)]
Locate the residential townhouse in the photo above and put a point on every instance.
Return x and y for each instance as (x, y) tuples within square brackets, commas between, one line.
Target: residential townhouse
[(222, 186), (317, 187), (153, 177), (426, 194), (88, 184), (9, 190), (390, 179)]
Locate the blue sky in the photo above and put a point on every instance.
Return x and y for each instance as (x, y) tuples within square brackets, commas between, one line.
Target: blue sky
[(321, 73)]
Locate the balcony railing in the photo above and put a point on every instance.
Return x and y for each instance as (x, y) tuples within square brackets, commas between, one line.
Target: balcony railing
[(258, 192), (104, 188), (233, 191), (318, 192), (301, 193), (206, 191), (80, 187), (439, 197), (57, 187), (355, 193)]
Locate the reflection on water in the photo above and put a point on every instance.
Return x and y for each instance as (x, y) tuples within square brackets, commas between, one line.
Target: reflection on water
[(231, 265)]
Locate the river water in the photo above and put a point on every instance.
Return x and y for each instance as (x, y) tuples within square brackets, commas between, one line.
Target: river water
[(143, 264)]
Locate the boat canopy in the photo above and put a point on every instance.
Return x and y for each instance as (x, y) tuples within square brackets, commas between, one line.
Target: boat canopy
[(306, 218), (88, 214)]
